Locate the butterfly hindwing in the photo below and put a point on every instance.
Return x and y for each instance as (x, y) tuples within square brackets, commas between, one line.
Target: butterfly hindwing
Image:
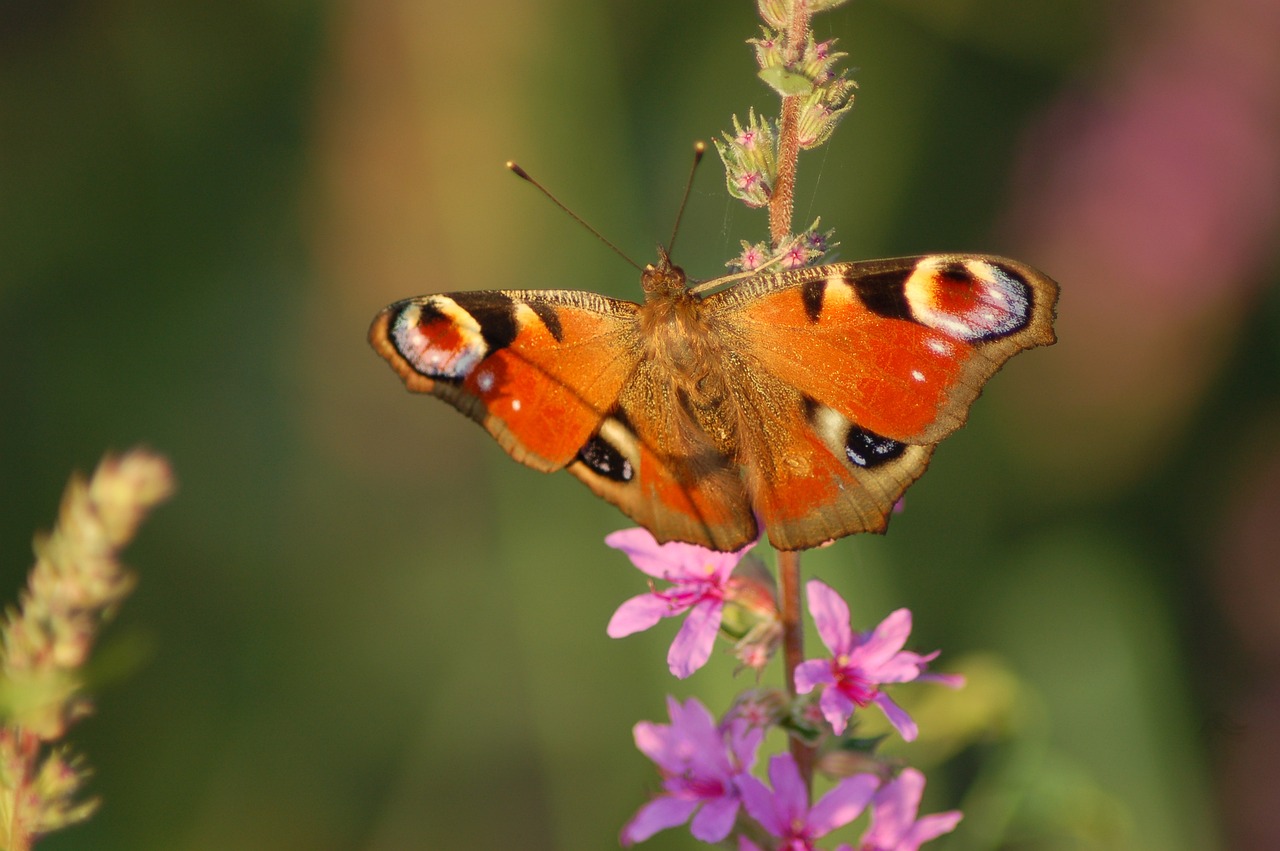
[(680, 491)]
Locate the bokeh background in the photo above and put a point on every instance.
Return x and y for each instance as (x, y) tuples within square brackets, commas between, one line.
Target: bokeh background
[(360, 626)]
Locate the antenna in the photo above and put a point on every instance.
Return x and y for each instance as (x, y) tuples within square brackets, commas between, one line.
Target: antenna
[(699, 148), (524, 175)]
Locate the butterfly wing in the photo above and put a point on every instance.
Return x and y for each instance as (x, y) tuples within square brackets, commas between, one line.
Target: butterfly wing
[(538, 369), (560, 380), (855, 371)]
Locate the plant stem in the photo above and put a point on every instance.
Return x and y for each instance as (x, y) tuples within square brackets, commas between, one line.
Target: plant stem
[(782, 200), (793, 645)]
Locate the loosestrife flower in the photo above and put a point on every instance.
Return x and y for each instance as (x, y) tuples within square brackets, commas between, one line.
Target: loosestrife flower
[(894, 826), (699, 585), (785, 812), (702, 765), (859, 664)]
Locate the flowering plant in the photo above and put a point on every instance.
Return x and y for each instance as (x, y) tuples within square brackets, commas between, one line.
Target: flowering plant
[(707, 765)]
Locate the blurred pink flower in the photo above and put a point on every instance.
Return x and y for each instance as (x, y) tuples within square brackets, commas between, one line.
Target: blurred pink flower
[(701, 765), (859, 664), (894, 826), (699, 584), (785, 811)]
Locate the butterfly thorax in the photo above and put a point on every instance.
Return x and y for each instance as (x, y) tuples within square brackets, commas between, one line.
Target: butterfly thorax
[(684, 353)]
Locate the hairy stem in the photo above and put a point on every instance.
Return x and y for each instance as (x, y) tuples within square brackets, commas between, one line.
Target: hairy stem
[(793, 645), (782, 200)]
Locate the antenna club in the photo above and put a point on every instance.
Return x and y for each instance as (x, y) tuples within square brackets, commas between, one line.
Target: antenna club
[(519, 172), (699, 148)]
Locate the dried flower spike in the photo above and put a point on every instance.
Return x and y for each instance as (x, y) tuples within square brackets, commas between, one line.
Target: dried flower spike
[(75, 585)]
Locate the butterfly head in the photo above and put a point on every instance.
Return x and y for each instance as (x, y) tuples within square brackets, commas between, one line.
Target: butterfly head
[(664, 281)]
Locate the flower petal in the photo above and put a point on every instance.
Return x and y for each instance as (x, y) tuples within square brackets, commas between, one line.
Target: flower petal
[(813, 673), (758, 801), (842, 804), (658, 814), (836, 708), (638, 614), (692, 645), (895, 809), (672, 559), (790, 795), (715, 820), (744, 744), (930, 827), (897, 716), (654, 741), (887, 639), (830, 615)]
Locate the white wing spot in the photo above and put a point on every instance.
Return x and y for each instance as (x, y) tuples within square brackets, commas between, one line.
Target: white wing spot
[(515, 404), (939, 346), (485, 381), (917, 375)]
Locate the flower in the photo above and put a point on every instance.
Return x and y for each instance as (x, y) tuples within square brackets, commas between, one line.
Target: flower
[(751, 258), (701, 765), (785, 811), (699, 580), (859, 664), (750, 159), (894, 826)]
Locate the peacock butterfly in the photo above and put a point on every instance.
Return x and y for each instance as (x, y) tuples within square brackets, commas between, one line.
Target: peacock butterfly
[(805, 400)]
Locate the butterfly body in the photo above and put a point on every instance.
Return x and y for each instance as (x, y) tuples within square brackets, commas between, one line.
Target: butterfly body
[(809, 399)]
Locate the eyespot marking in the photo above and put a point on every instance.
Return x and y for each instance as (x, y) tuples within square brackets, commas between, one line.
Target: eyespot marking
[(970, 299), (869, 450), (603, 454), (439, 338)]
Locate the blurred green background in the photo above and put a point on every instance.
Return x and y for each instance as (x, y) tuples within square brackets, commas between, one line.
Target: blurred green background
[(360, 626)]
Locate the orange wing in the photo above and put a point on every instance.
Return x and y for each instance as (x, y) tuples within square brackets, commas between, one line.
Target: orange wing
[(539, 369), (559, 379), (852, 372)]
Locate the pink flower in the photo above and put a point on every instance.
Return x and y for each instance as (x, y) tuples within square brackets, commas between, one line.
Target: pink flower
[(701, 765), (785, 812), (796, 257), (894, 826), (859, 664), (699, 584), (751, 258)]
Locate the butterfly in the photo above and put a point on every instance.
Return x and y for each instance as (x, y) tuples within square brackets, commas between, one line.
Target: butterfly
[(805, 401)]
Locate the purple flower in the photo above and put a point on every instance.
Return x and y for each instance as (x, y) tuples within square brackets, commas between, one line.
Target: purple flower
[(701, 765), (785, 812), (699, 583), (894, 826), (859, 664)]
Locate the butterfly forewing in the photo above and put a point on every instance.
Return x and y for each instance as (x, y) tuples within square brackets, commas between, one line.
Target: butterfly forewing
[(900, 347), (539, 369)]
